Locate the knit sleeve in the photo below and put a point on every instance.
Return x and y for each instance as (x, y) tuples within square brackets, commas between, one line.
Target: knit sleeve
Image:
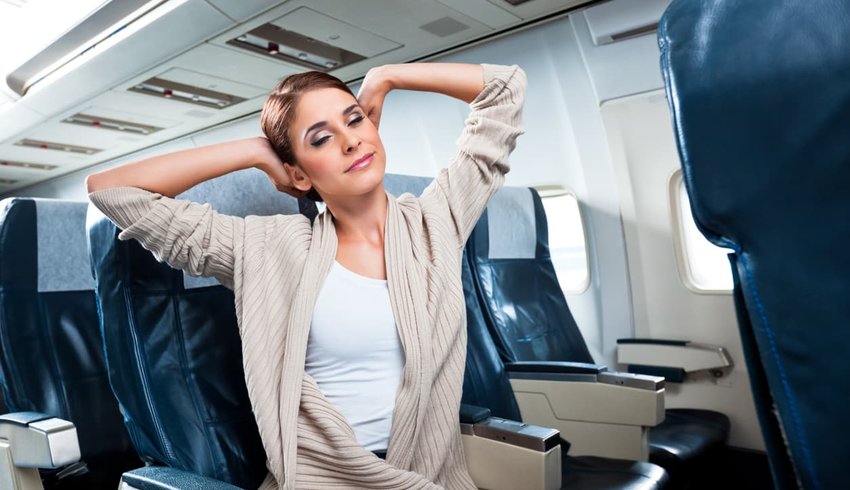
[(480, 163), (186, 235)]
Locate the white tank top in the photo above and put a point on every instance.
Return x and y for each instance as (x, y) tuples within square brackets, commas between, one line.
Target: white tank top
[(354, 353)]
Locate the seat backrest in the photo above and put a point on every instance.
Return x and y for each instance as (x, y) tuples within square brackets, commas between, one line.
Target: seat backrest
[(521, 300), (761, 109), (51, 352), (173, 345), (485, 383)]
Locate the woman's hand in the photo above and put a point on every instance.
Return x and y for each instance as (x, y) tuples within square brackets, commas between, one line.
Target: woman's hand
[(374, 88), (268, 161)]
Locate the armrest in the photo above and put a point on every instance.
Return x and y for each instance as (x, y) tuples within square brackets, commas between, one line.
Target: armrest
[(671, 358), (470, 414), (165, 478), (30, 440), (554, 367), (579, 371), (504, 454), (601, 413), (39, 440)]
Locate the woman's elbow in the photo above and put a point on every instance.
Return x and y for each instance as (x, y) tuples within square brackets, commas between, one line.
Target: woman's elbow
[(94, 182)]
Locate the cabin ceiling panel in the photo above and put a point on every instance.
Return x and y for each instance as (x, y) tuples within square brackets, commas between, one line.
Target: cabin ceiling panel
[(11, 151), (536, 8), (72, 134), (15, 119), (118, 112), (145, 44), (22, 174), (243, 9), (258, 75), (150, 108), (486, 12)]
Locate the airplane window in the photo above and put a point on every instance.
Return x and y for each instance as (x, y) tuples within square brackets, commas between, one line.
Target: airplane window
[(566, 242), (706, 266)]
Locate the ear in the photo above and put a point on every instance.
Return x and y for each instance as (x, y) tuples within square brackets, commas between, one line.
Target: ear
[(297, 177)]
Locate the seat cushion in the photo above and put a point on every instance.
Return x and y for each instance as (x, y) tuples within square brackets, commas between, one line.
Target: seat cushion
[(591, 472), (686, 434)]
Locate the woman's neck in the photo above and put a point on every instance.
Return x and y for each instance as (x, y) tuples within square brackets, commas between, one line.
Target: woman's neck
[(361, 219)]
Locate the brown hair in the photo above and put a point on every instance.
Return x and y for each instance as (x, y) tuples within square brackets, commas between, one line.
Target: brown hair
[(279, 111)]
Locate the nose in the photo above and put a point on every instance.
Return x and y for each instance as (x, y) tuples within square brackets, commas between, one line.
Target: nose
[(351, 142)]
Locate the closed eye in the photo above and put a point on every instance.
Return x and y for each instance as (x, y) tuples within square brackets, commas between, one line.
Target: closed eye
[(319, 142)]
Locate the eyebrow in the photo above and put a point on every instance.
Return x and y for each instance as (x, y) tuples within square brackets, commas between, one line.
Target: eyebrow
[(321, 124)]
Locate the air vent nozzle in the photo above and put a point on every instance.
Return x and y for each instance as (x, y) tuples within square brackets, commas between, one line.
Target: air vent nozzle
[(183, 92), (92, 121), (50, 145), (276, 42), (27, 165)]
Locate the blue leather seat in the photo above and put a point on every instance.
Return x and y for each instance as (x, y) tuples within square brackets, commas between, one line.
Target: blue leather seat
[(51, 354), (485, 384), (761, 108), (528, 317), (174, 352)]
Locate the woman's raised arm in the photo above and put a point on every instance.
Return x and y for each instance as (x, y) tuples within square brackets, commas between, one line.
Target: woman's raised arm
[(495, 95), (458, 80), (174, 173)]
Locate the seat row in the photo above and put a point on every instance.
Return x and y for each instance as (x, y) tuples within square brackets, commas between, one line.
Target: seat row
[(145, 362)]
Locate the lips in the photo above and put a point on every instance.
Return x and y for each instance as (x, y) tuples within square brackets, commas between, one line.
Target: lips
[(361, 162)]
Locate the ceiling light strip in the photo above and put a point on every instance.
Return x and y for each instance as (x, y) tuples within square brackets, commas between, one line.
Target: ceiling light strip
[(50, 145)]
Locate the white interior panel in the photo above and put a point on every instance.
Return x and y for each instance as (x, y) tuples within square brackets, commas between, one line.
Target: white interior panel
[(243, 9), (486, 12), (247, 127), (535, 8), (15, 119), (621, 68), (619, 17), (645, 156)]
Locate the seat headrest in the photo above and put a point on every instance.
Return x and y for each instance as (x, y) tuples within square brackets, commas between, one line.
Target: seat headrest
[(397, 184), (43, 244), (513, 226)]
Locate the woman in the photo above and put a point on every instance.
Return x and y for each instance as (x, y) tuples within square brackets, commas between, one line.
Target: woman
[(286, 273)]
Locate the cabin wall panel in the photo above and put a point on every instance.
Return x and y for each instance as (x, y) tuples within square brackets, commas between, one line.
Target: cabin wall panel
[(566, 143)]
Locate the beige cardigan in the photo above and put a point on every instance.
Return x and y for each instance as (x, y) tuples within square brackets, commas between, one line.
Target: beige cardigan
[(276, 266)]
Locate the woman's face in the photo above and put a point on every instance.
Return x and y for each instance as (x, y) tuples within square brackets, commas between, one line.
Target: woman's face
[(337, 148)]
